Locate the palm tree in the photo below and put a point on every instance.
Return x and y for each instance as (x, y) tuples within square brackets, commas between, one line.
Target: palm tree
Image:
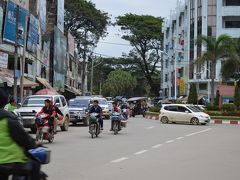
[(231, 67), (216, 49)]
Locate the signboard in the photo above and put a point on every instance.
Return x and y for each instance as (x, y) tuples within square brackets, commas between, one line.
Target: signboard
[(71, 44), (182, 87), (3, 60), (22, 3), (46, 53), (60, 15), (33, 35), (59, 61), (42, 14), (9, 34)]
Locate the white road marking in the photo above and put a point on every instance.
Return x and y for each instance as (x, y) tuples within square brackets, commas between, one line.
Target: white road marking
[(119, 160), (151, 127), (170, 141), (140, 152), (179, 138), (198, 132), (156, 146)]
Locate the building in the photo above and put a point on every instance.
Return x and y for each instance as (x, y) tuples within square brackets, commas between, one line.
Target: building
[(190, 19)]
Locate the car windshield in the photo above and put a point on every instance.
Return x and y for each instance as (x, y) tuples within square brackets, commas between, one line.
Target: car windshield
[(79, 103), (34, 102), (102, 101), (194, 109)]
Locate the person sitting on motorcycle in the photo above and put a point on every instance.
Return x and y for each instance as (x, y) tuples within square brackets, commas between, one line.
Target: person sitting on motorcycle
[(14, 144), (116, 109), (11, 105), (97, 109), (51, 111)]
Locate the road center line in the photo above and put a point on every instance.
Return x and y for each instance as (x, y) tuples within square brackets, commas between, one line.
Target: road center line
[(170, 141), (156, 146), (195, 133), (119, 160), (179, 138), (151, 127), (140, 152)]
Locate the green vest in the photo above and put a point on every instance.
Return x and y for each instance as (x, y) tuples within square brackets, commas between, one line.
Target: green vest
[(10, 108), (10, 152)]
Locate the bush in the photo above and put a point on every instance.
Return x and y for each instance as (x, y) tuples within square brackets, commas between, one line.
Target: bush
[(234, 113), (154, 109), (229, 107), (193, 96), (212, 108)]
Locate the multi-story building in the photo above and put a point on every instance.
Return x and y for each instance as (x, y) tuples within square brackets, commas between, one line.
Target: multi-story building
[(200, 17)]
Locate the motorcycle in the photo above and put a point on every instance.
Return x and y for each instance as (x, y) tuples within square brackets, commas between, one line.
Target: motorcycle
[(40, 155), (116, 122), (125, 113), (94, 126), (43, 129)]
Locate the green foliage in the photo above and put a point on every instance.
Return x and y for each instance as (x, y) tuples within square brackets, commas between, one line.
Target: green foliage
[(119, 83), (220, 113), (215, 50), (228, 107), (237, 96), (154, 109), (144, 34), (212, 108), (193, 97)]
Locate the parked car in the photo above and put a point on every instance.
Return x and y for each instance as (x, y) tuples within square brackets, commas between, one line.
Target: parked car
[(33, 104), (183, 113), (104, 105), (78, 108)]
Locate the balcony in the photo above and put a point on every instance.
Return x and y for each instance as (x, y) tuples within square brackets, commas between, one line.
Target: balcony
[(231, 11)]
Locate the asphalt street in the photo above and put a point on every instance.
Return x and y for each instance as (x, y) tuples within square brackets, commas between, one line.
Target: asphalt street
[(147, 149)]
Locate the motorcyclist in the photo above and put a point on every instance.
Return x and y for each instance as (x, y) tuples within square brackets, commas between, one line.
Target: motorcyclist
[(11, 105), (51, 111), (116, 109), (97, 109), (14, 144)]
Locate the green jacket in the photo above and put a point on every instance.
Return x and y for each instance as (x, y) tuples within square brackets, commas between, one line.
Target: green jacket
[(14, 141)]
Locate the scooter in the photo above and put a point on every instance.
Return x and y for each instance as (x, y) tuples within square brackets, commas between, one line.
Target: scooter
[(116, 122), (94, 126), (125, 114), (43, 129)]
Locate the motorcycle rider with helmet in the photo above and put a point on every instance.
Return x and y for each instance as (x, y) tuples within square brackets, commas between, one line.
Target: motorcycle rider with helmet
[(116, 109), (14, 144)]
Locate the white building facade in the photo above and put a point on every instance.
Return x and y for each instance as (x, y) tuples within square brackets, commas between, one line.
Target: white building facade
[(191, 19)]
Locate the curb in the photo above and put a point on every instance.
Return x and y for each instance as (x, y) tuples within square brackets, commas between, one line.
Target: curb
[(215, 121)]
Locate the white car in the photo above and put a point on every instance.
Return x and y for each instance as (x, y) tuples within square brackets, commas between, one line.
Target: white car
[(33, 104), (183, 113)]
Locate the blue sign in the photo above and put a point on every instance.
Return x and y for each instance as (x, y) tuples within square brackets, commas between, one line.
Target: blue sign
[(33, 35), (9, 34)]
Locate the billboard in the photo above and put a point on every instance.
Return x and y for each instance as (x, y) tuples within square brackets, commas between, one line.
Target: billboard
[(9, 34), (59, 61), (60, 15), (3, 60), (33, 35), (71, 44), (42, 14), (46, 53), (22, 3)]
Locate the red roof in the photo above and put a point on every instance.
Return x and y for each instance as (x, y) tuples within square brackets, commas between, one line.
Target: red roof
[(225, 90)]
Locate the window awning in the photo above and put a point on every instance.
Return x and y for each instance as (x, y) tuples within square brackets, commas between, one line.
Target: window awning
[(72, 90), (45, 83)]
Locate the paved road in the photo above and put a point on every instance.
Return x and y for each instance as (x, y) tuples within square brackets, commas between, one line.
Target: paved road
[(147, 150)]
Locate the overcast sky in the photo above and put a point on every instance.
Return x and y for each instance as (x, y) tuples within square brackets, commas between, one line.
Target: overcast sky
[(120, 7)]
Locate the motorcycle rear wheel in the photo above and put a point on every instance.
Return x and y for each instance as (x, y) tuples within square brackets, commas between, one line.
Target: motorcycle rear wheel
[(39, 136), (115, 127)]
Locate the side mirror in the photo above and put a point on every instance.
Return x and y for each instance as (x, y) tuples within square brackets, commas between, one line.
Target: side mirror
[(57, 104), (19, 105)]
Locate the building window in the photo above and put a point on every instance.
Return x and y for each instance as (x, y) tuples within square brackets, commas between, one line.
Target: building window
[(232, 24), (166, 77), (231, 2), (166, 63)]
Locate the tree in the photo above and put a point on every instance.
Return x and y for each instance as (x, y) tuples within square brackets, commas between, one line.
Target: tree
[(119, 83), (144, 34), (193, 97), (231, 67), (237, 95), (87, 24), (216, 49)]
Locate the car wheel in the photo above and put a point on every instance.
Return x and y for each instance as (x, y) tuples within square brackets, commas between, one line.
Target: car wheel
[(164, 120), (65, 125), (86, 122), (194, 121)]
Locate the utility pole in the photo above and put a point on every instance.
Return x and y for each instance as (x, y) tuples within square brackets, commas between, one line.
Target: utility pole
[(84, 62), (16, 55), (92, 77), (23, 59)]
